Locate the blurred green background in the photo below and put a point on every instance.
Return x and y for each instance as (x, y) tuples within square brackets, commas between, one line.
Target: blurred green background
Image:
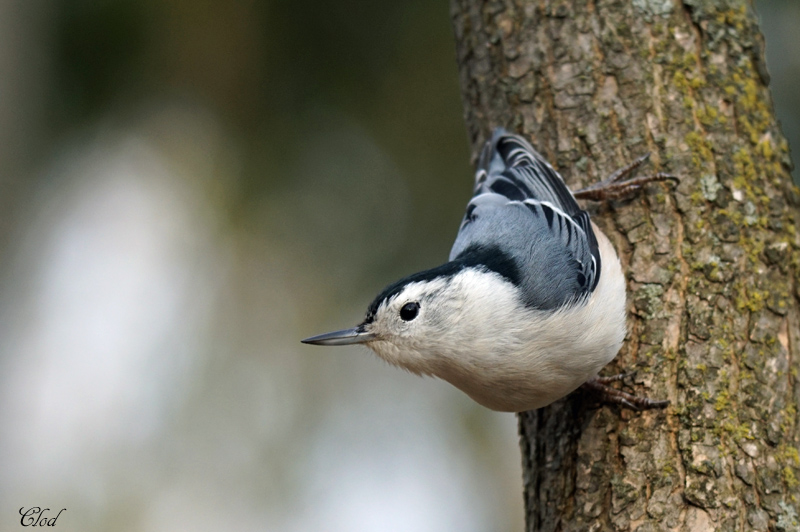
[(187, 189)]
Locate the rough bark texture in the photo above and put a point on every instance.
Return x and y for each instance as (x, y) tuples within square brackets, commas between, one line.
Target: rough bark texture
[(713, 264)]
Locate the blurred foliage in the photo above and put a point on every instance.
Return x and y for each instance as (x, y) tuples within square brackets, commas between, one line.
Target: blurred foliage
[(269, 71)]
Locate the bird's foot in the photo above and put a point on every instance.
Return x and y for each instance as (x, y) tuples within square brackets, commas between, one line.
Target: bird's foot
[(600, 386), (618, 186)]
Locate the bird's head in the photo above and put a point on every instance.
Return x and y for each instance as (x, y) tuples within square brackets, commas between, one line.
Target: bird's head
[(425, 321)]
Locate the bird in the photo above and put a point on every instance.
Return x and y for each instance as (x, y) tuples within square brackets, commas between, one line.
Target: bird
[(531, 303)]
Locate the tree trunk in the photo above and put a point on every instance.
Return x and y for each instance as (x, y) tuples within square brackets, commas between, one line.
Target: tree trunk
[(713, 265)]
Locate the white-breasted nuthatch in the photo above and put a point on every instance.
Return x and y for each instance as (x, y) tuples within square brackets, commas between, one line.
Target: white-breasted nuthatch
[(531, 304)]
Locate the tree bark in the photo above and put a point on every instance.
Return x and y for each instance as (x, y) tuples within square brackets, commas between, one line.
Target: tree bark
[(713, 265)]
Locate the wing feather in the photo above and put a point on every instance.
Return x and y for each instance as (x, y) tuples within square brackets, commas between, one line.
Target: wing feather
[(518, 191)]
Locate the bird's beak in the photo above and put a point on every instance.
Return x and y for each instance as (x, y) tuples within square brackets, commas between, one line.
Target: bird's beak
[(344, 337)]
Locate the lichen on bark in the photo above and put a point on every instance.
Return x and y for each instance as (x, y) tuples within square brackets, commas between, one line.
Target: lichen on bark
[(713, 264)]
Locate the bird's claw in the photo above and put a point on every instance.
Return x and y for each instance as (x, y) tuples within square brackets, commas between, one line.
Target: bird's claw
[(617, 186), (600, 385)]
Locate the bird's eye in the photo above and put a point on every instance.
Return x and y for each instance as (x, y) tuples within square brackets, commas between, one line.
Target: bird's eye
[(409, 311)]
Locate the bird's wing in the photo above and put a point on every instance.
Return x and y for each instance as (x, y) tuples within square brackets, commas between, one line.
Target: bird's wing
[(522, 206)]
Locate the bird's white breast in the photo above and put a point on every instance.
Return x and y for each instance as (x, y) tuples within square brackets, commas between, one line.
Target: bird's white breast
[(511, 358)]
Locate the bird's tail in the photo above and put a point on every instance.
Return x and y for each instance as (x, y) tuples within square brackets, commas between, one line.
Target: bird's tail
[(508, 160), (505, 150)]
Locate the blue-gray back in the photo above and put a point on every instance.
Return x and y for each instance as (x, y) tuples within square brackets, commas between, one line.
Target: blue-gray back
[(522, 207)]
